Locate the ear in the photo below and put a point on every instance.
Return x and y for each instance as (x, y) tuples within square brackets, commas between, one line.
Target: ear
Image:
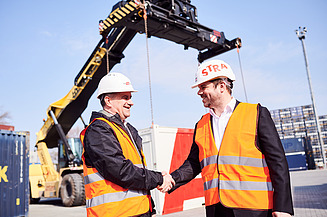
[(107, 101), (222, 87)]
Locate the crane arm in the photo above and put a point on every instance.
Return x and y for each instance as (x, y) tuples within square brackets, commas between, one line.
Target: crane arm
[(173, 20)]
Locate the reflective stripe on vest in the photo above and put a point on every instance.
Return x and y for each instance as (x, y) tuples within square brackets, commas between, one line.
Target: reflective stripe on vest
[(242, 161), (104, 198), (246, 185), (244, 180), (209, 160), (114, 197), (211, 184), (95, 177)]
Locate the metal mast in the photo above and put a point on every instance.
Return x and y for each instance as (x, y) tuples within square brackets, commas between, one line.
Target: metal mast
[(301, 35)]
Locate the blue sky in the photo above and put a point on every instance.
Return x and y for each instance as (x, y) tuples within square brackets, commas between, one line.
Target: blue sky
[(44, 44)]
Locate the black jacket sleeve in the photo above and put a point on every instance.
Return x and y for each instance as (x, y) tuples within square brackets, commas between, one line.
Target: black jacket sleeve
[(190, 168), (270, 145), (103, 151)]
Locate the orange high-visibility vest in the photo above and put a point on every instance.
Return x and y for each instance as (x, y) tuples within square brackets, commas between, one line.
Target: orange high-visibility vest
[(237, 175), (105, 198)]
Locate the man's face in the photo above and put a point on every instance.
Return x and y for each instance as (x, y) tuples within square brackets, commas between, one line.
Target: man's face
[(209, 94), (121, 103)]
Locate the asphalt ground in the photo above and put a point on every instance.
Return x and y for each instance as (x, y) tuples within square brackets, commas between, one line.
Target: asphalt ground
[(309, 190)]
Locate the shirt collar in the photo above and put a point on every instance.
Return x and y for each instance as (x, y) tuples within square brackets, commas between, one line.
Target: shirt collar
[(228, 109), (106, 113)]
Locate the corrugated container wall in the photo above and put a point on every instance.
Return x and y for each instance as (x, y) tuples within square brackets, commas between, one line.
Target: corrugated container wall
[(14, 171)]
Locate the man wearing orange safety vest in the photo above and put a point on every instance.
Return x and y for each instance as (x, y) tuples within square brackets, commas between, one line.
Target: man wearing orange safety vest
[(117, 183), (237, 150)]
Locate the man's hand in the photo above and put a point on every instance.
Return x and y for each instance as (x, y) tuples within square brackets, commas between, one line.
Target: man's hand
[(281, 214), (168, 182)]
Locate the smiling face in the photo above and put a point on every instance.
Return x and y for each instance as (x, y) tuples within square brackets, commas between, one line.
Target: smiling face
[(215, 95), (120, 103), (209, 94)]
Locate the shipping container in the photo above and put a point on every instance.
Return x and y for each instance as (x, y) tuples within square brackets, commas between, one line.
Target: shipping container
[(296, 161), (14, 172), (166, 149), (295, 153)]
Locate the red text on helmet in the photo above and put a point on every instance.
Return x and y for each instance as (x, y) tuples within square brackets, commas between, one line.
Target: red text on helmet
[(211, 68)]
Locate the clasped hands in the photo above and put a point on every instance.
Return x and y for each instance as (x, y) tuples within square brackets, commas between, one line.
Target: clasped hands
[(168, 182)]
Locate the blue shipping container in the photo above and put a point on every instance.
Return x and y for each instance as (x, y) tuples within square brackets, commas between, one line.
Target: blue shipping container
[(14, 173), (295, 153), (296, 161)]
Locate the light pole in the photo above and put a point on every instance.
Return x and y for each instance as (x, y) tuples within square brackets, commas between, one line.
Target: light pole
[(301, 35)]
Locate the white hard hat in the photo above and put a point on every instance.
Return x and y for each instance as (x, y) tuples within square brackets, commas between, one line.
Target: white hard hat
[(114, 82), (211, 70)]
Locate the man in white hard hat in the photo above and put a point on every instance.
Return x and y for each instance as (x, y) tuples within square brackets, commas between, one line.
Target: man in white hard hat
[(237, 150), (117, 182)]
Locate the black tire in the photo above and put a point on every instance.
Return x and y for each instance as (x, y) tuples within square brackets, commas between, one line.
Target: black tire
[(34, 200), (72, 190), (84, 199)]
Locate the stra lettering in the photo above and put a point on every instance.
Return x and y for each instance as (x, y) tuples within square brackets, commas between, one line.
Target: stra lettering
[(215, 68)]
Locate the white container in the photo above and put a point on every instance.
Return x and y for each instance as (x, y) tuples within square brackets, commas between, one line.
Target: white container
[(166, 149)]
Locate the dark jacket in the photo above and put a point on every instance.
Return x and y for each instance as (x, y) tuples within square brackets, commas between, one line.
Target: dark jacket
[(103, 152), (270, 145)]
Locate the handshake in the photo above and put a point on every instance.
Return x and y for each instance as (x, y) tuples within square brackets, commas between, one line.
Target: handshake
[(168, 182)]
